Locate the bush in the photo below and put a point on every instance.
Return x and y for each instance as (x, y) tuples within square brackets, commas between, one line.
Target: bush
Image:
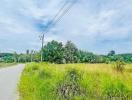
[(69, 88), (119, 66)]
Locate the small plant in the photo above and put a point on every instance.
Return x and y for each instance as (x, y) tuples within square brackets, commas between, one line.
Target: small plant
[(119, 66)]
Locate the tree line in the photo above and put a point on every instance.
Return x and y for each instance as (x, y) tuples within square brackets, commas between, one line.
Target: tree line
[(57, 52)]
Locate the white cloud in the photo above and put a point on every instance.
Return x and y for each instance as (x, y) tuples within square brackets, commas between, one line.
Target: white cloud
[(87, 24)]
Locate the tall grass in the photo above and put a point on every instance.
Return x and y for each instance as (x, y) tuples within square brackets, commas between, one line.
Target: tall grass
[(43, 81)]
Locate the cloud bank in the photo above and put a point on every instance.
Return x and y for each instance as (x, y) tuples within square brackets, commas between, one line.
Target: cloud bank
[(93, 25)]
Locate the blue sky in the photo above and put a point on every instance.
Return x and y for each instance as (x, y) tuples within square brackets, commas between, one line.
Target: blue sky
[(93, 25)]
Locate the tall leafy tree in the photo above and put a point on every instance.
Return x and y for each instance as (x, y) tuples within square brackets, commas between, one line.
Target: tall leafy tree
[(53, 52), (70, 53)]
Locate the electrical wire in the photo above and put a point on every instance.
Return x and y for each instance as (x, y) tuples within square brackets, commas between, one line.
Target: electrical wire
[(66, 10)]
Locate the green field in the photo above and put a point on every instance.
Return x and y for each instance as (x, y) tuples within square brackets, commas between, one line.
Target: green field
[(2, 65), (41, 81)]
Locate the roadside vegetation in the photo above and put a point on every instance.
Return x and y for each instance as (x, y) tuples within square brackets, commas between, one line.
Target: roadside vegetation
[(2, 65), (44, 81)]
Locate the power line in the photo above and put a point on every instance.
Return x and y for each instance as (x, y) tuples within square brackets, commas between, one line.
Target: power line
[(54, 22), (64, 13), (60, 10), (57, 14)]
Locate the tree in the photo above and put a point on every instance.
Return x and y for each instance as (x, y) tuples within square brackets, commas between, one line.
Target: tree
[(37, 57), (87, 57), (27, 52), (53, 52), (111, 53), (70, 53), (15, 57), (8, 59)]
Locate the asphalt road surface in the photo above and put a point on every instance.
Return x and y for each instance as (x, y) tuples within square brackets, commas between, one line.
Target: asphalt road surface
[(9, 78)]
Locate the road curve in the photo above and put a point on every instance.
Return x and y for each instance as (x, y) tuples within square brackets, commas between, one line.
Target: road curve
[(9, 78)]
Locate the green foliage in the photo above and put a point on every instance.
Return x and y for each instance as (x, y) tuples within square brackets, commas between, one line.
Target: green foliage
[(24, 58), (8, 59), (53, 52), (85, 57), (14, 57), (70, 53), (127, 58), (37, 57), (56, 52)]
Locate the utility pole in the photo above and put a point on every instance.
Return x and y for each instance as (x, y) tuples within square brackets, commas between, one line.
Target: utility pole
[(42, 46)]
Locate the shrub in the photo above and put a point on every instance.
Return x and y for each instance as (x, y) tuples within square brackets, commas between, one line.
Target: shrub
[(69, 88), (119, 66)]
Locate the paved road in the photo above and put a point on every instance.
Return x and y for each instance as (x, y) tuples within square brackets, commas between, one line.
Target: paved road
[(9, 78)]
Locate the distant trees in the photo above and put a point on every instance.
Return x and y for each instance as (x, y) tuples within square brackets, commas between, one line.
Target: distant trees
[(36, 56), (6, 57), (86, 57), (23, 58), (15, 57), (111, 53), (56, 52), (30, 56)]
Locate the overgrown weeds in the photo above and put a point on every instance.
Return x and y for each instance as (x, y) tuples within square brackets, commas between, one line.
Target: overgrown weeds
[(70, 87), (116, 89), (74, 82), (119, 66)]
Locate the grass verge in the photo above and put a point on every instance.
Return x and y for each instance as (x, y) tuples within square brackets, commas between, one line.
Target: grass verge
[(41, 81), (3, 65)]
